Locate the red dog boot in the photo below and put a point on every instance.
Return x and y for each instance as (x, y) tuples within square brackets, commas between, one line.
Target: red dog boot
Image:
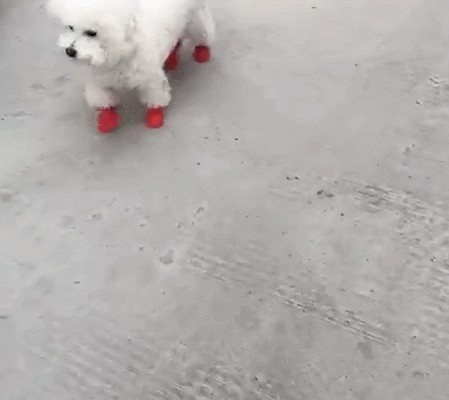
[(155, 117), (202, 54), (172, 62), (108, 119)]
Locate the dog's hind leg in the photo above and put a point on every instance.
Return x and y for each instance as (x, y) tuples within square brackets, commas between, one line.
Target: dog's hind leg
[(201, 30)]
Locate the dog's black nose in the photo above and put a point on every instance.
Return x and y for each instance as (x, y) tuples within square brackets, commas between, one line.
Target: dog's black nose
[(71, 52)]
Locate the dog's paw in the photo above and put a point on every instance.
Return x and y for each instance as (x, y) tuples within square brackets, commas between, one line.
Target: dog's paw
[(107, 120), (202, 54), (172, 62), (155, 117)]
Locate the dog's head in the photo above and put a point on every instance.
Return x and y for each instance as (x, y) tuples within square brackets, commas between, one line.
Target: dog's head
[(98, 32)]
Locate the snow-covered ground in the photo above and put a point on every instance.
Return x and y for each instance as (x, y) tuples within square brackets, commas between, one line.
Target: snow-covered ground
[(285, 236)]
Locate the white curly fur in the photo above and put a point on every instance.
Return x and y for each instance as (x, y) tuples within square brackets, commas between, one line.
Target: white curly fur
[(134, 38)]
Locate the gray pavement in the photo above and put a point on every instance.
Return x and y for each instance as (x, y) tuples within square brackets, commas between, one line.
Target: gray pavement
[(284, 236)]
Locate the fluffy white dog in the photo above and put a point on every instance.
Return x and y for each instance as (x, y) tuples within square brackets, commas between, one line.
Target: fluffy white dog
[(129, 44)]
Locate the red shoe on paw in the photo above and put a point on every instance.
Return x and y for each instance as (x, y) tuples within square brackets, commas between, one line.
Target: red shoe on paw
[(172, 62), (202, 54), (155, 117), (107, 120)]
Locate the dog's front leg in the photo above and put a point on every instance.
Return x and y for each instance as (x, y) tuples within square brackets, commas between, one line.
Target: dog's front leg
[(105, 102), (99, 97), (155, 92)]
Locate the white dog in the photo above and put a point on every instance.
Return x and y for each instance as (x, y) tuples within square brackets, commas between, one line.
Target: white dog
[(127, 44)]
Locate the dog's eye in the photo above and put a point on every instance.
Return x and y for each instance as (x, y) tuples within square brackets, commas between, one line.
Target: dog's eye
[(90, 33), (70, 28)]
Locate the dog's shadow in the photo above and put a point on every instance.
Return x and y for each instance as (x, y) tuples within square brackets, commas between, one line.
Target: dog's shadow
[(191, 82)]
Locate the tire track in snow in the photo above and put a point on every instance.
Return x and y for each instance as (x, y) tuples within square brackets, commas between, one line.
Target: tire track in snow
[(95, 358), (248, 265), (418, 287), (417, 227), (293, 297)]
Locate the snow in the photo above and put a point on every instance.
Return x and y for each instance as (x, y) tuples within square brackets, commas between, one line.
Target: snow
[(284, 236)]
